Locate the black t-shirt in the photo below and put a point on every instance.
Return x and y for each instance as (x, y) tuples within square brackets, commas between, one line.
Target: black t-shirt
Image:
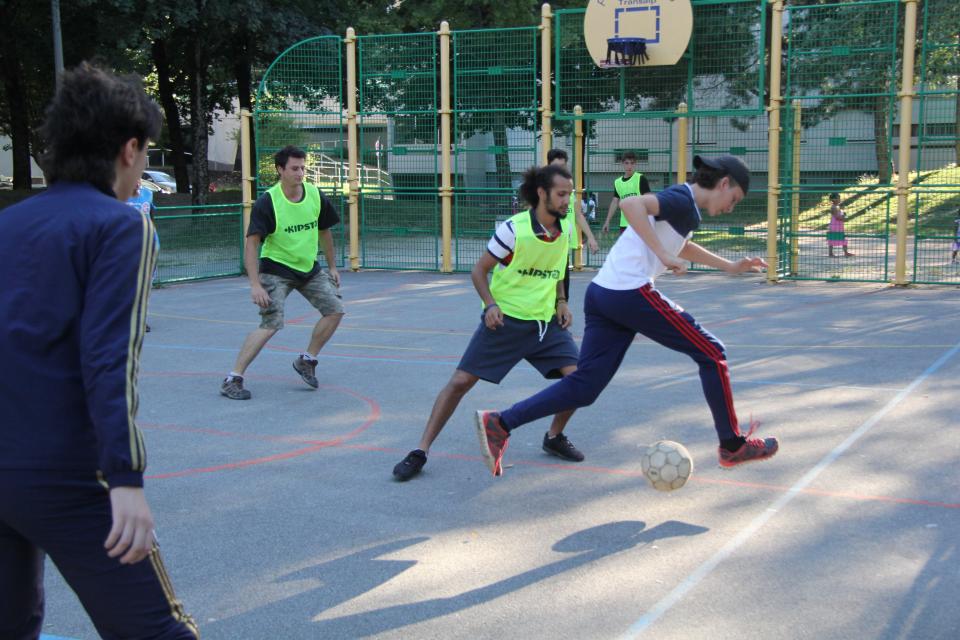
[(263, 222)]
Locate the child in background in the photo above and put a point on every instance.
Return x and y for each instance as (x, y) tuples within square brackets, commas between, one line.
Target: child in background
[(836, 237)]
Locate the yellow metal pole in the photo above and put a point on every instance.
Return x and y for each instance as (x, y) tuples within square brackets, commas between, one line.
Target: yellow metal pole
[(773, 156), (446, 190), (795, 197), (682, 141), (546, 114), (353, 195), (578, 180), (246, 181), (906, 120)]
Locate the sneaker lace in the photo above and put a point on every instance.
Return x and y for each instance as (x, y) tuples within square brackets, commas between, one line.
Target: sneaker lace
[(753, 442)]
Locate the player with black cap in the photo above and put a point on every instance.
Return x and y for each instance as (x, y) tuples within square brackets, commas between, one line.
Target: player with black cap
[(622, 302)]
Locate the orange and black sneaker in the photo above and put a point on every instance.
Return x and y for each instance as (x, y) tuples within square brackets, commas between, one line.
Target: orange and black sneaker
[(752, 449), (493, 439)]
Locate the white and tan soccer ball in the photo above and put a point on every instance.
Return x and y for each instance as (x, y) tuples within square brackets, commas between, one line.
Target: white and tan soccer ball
[(667, 465)]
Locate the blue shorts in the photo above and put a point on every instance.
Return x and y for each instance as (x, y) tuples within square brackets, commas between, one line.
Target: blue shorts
[(491, 354)]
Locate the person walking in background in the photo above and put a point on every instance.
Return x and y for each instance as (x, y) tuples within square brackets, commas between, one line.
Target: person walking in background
[(290, 220), (836, 236), (592, 207), (525, 315), (956, 242), (77, 263), (142, 201), (631, 183), (559, 157), (622, 302)]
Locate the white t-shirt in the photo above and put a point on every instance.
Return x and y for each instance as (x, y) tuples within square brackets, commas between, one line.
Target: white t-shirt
[(631, 264)]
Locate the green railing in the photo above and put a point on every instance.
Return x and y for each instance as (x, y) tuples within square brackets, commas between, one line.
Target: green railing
[(199, 242)]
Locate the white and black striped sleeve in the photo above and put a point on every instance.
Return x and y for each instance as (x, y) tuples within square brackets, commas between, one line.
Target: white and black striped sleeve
[(503, 241)]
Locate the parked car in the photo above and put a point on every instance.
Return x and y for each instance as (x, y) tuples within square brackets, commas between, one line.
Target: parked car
[(164, 180), (153, 186)]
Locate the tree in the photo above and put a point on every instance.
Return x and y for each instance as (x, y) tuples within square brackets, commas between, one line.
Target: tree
[(855, 72), (481, 109), (26, 70), (939, 58)]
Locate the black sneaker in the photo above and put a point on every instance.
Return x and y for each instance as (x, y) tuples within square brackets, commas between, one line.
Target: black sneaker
[(232, 387), (561, 447), (307, 368), (410, 466)]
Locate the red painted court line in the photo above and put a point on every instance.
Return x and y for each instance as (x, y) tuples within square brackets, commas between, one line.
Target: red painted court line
[(375, 414), (315, 445)]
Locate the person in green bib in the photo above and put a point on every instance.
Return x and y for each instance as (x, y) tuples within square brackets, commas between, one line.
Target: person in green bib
[(525, 314), (287, 224), (632, 183), (559, 157)]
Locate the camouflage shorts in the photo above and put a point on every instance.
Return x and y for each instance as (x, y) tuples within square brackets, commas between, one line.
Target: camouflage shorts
[(320, 291)]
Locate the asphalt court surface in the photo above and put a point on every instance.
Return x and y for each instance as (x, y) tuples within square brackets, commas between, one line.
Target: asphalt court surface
[(278, 517)]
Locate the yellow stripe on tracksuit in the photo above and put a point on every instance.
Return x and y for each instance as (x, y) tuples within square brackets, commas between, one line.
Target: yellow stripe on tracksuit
[(176, 607), (138, 321)]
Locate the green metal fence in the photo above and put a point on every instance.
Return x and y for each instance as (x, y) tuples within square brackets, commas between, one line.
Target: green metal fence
[(840, 83), (199, 242), (495, 129), (841, 67), (721, 80), (398, 104), (935, 203)]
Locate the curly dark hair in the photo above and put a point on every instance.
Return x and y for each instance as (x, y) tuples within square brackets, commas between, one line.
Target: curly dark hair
[(92, 116), (541, 177)]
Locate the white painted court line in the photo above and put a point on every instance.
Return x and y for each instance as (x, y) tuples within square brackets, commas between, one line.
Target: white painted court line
[(701, 572)]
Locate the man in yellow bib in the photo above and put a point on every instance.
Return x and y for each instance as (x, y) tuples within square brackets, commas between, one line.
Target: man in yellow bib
[(632, 183), (525, 314), (289, 221)]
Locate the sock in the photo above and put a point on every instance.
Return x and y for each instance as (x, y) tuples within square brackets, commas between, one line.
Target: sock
[(503, 424), (733, 444), (307, 356), (234, 374)]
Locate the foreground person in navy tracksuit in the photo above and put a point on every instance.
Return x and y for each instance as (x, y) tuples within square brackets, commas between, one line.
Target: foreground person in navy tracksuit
[(77, 263)]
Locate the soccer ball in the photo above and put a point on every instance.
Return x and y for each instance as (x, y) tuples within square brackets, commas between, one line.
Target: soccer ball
[(667, 465)]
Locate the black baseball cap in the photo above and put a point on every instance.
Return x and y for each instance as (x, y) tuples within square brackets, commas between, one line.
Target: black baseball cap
[(730, 166)]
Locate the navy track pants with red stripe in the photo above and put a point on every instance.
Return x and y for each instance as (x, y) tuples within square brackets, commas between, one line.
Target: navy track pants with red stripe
[(613, 319)]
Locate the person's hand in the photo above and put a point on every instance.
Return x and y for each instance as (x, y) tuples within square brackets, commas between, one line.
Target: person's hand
[(131, 537), (335, 276), (493, 317), (259, 296), (742, 265), (592, 243), (605, 228), (678, 266), (564, 315)]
